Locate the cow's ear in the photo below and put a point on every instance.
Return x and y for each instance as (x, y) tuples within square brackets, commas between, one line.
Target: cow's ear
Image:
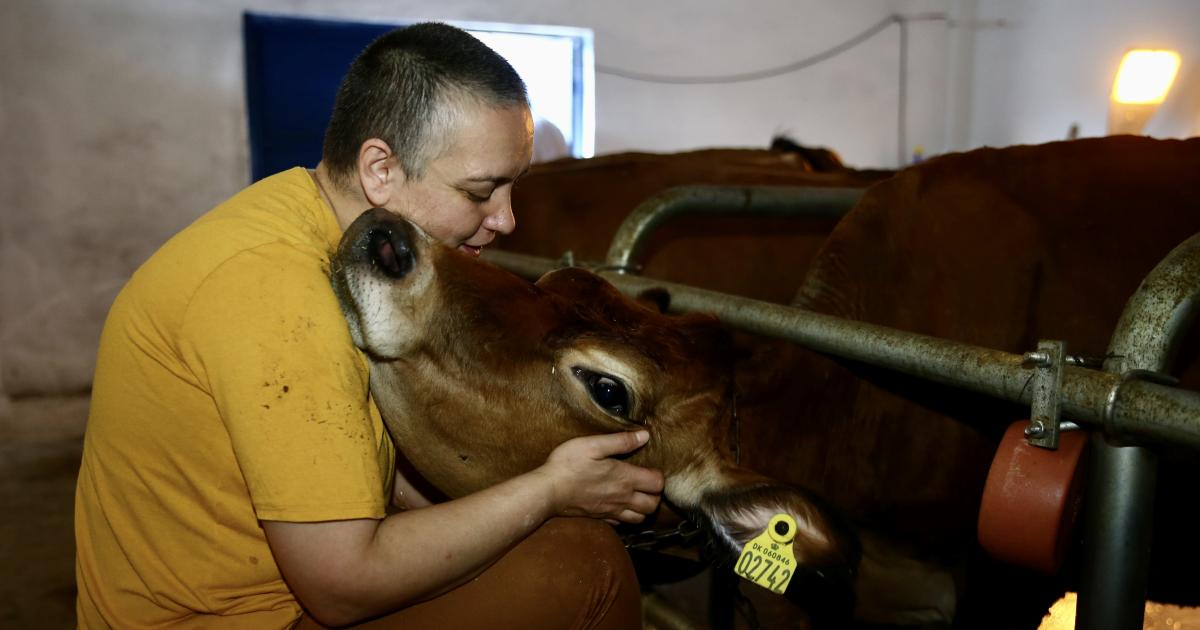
[(657, 298)]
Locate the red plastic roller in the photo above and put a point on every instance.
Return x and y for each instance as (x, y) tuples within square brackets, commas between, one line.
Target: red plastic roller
[(1031, 500)]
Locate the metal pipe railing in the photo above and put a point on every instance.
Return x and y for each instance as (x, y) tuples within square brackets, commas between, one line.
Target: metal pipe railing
[(1119, 515), (1146, 410), (631, 237)]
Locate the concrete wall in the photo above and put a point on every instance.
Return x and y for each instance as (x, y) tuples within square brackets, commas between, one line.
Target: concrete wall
[(123, 120), (1053, 66)]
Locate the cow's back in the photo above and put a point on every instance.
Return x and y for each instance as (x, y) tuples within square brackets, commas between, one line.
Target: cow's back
[(1002, 247), (578, 205)]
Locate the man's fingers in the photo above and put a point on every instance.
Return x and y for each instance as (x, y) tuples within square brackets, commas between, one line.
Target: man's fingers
[(640, 479), (629, 516), (643, 503), (646, 480), (605, 487), (609, 444)]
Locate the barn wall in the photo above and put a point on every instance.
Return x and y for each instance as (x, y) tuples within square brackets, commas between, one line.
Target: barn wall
[(1053, 63), (123, 120)]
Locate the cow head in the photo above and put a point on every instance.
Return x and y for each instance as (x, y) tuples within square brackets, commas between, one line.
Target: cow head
[(480, 374)]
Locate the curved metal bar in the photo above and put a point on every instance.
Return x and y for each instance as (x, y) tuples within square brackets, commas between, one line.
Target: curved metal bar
[(1119, 517), (627, 243), (1148, 410), (1158, 313)]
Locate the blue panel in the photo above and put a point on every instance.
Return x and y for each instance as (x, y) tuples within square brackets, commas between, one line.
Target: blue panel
[(293, 69)]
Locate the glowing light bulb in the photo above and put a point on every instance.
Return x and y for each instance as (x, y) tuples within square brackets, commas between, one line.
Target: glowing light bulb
[(1142, 83), (1145, 76)]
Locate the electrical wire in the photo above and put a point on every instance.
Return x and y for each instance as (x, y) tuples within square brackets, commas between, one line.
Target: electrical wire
[(776, 71)]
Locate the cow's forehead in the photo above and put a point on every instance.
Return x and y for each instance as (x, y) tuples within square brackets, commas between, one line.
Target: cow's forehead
[(598, 311)]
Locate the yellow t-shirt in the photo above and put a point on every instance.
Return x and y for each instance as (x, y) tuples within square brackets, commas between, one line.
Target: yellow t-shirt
[(227, 391)]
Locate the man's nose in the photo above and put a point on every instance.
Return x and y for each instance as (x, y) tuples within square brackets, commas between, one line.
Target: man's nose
[(500, 216)]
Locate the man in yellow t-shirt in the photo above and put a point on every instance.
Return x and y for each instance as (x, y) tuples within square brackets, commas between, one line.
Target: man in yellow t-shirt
[(235, 471)]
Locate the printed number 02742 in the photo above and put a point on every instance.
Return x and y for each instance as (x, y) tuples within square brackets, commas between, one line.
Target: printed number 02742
[(763, 571)]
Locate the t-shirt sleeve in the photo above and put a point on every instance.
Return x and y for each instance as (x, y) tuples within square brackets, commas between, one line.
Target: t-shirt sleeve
[(264, 332)]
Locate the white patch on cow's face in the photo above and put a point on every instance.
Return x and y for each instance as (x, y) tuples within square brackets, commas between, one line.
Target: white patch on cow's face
[(687, 487), (386, 315), (389, 311)]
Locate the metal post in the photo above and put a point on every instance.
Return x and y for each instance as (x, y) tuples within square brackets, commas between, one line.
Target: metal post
[(1117, 526), (1119, 516), (761, 200)]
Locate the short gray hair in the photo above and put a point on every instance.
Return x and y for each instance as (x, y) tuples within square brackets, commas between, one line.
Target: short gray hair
[(407, 89)]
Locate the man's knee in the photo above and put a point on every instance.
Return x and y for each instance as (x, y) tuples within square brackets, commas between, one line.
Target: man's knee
[(584, 537), (590, 570), (582, 547)]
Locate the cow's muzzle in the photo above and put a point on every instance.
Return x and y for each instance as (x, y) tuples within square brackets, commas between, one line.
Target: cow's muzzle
[(384, 240), (377, 280), (389, 253)]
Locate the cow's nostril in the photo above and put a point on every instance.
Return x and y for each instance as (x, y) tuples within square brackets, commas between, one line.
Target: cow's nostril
[(390, 252)]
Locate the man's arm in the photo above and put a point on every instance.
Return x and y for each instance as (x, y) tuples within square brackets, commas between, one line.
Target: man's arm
[(347, 571)]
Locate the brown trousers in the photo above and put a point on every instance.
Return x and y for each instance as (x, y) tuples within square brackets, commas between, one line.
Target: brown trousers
[(572, 573)]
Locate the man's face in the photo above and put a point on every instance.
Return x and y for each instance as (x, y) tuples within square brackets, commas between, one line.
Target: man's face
[(465, 195)]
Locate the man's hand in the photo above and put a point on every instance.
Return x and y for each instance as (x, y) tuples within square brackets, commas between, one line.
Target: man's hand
[(587, 481)]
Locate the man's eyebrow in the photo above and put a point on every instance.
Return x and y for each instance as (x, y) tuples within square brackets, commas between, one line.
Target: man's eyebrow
[(499, 179)]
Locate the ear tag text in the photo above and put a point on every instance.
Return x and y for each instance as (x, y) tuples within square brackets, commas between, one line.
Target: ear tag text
[(767, 560)]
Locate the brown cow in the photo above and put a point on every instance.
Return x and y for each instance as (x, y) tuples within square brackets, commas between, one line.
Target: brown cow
[(480, 374), (577, 205), (998, 248)]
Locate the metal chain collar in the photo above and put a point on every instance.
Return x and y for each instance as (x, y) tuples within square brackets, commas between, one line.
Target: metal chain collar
[(682, 534)]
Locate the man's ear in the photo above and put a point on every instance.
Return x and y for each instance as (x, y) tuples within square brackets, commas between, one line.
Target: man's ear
[(378, 169)]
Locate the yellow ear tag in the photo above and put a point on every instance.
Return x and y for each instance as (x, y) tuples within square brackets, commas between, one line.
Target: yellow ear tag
[(767, 560)]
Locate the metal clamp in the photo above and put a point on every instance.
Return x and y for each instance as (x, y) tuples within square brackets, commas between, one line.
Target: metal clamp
[(1048, 361)]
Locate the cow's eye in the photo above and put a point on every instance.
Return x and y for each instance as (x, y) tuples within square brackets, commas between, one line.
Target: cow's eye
[(607, 391)]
